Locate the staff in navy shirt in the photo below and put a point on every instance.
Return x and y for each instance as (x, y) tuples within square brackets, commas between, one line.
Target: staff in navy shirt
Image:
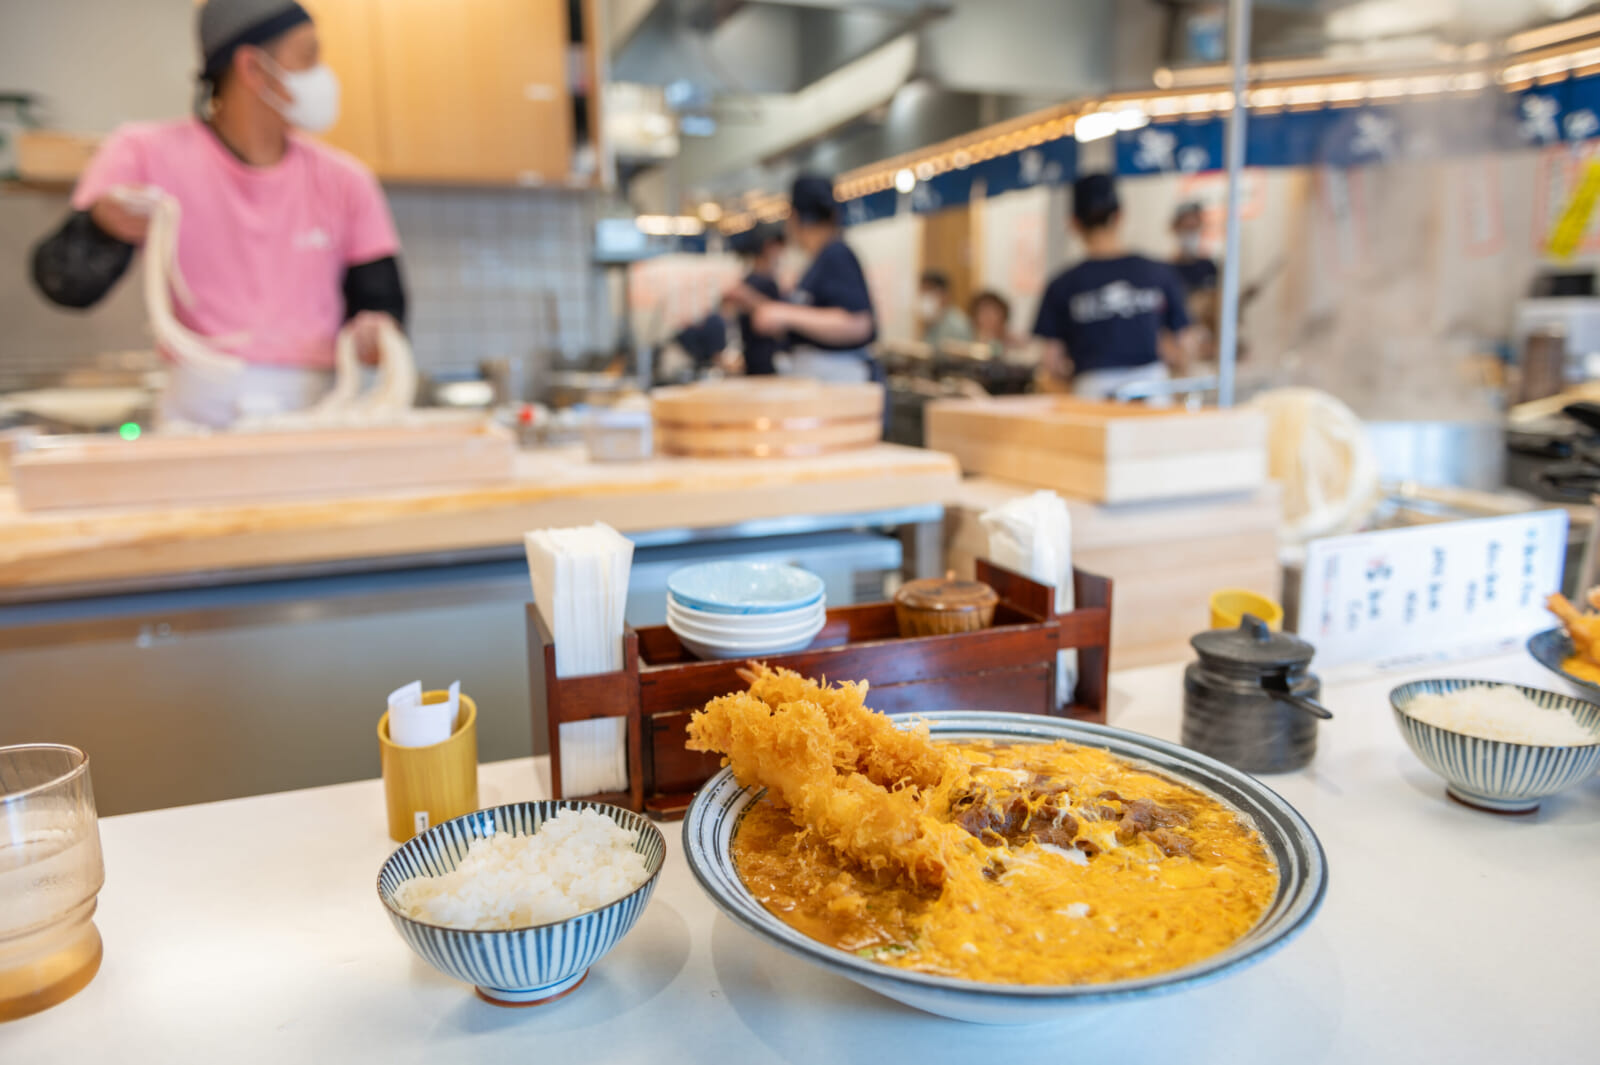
[(1199, 276), (761, 248), (1114, 319), (829, 318), (1195, 270)]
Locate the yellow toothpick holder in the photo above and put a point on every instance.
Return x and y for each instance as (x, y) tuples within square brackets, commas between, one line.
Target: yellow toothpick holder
[(424, 786)]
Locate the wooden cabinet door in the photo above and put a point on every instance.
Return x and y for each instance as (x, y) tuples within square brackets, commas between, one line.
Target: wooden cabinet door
[(346, 31), (473, 90), (948, 246)]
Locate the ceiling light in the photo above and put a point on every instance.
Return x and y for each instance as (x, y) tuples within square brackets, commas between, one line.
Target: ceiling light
[(905, 181), (1132, 118), (1095, 126)]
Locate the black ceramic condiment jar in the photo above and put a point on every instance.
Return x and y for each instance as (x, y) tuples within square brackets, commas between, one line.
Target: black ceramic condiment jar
[(1251, 699)]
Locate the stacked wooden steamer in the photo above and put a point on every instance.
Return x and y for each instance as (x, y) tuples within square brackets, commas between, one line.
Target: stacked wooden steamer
[(1170, 504), (775, 418)]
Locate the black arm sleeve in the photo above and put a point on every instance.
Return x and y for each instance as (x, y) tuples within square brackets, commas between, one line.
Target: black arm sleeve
[(77, 264), (375, 286)]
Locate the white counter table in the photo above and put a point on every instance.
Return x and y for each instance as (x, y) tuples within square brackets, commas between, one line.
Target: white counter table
[(250, 931)]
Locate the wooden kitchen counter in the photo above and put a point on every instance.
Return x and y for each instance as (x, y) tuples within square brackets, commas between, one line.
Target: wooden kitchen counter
[(45, 550)]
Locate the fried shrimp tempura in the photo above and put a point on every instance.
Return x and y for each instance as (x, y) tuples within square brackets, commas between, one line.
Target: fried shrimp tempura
[(864, 741), (1584, 629), (826, 757)]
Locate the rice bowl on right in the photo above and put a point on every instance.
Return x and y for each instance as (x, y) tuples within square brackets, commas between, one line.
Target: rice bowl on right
[(1461, 729)]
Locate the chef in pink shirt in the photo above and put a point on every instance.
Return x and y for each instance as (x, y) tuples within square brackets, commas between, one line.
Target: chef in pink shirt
[(282, 240)]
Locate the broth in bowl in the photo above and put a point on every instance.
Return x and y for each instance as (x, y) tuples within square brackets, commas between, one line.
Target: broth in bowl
[(1044, 863)]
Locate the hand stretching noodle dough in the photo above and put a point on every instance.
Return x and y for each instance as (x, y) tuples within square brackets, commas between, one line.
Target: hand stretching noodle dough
[(388, 401)]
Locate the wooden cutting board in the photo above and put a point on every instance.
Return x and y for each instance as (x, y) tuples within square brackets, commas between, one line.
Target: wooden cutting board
[(95, 471), (551, 487), (1106, 452), (773, 417)]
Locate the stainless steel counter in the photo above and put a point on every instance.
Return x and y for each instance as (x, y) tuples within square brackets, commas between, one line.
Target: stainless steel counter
[(230, 684)]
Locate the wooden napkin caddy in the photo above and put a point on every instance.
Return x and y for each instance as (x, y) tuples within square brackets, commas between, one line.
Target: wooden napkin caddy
[(1010, 666)]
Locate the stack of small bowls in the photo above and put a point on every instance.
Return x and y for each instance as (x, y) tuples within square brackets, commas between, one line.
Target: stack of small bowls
[(745, 609)]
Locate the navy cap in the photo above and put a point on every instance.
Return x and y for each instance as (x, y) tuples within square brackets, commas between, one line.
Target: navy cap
[(1094, 199), (812, 198)]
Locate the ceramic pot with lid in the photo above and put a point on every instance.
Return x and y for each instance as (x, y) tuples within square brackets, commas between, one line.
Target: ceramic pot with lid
[(1250, 700), (937, 606)]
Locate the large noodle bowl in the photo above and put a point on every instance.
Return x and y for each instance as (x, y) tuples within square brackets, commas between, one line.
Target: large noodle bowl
[(1050, 863)]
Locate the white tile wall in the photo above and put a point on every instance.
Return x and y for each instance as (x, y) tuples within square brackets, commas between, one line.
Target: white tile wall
[(490, 273), (500, 273)]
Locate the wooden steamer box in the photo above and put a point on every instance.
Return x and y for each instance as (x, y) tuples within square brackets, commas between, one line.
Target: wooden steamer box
[(1105, 452), (1010, 666)]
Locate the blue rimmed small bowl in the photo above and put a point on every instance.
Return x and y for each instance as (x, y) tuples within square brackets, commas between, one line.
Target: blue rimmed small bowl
[(1497, 775), (1551, 649), (732, 587), (516, 966)]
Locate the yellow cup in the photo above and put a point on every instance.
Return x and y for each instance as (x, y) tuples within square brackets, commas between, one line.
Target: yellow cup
[(1230, 605), (424, 786)]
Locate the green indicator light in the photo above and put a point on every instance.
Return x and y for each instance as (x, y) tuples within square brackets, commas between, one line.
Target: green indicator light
[(129, 431)]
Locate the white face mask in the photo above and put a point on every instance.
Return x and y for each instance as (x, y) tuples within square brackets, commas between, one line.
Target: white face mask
[(929, 306), (1189, 242), (313, 97)]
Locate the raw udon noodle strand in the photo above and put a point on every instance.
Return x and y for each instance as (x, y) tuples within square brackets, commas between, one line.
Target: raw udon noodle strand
[(392, 393), (161, 279), (396, 388), (387, 402), (346, 377)]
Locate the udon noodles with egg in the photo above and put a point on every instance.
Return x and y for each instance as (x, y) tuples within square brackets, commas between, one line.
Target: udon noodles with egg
[(1049, 863)]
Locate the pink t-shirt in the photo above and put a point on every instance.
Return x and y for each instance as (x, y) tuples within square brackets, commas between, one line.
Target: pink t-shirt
[(263, 249)]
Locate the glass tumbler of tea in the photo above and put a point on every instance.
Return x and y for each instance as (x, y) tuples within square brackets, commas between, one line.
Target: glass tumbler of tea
[(50, 874)]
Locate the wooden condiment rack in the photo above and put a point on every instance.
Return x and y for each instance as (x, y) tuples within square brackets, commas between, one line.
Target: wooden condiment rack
[(1010, 666)]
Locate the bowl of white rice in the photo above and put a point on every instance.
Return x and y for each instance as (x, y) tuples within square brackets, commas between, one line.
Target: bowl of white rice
[(520, 900), (1499, 747)]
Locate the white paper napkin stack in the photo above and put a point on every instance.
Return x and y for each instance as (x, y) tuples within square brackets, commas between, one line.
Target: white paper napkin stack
[(580, 588), (413, 723), (1033, 536)]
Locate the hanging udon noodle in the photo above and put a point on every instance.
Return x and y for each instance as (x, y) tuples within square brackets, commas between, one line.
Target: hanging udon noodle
[(162, 278), (388, 401)]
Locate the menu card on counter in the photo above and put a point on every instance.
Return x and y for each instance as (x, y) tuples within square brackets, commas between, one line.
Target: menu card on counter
[(1405, 595)]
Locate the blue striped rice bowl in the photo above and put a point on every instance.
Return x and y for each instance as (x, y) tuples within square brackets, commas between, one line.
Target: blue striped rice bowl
[(1496, 775), (517, 966)]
